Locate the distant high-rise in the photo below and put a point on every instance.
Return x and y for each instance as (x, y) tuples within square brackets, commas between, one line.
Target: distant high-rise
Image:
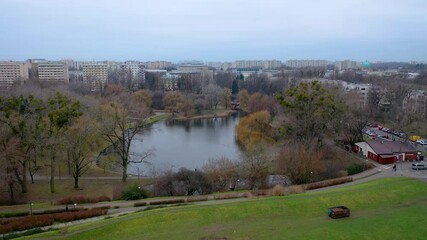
[(158, 64), (137, 73), (306, 63), (346, 65), (261, 64), (12, 73), (52, 71), (95, 74)]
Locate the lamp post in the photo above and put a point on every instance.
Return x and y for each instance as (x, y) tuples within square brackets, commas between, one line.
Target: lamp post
[(31, 209), (75, 205)]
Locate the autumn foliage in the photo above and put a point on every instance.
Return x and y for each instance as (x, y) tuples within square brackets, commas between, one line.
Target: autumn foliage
[(254, 129)]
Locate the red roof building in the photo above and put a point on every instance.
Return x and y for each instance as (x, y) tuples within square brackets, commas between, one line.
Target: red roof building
[(386, 152)]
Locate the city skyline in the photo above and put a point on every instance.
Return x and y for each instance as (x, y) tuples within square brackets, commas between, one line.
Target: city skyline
[(214, 30)]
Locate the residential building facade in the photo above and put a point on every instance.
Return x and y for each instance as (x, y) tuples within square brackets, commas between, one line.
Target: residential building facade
[(13, 73), (306, 63), (52, 71), (95, 74)]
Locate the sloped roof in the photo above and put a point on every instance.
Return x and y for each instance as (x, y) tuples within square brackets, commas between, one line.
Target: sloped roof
[(390, 147)]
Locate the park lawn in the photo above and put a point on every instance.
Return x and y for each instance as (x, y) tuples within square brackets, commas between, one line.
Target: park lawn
[(393, 208)]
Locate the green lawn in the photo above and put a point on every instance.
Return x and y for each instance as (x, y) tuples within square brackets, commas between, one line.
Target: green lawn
[(394, 208)]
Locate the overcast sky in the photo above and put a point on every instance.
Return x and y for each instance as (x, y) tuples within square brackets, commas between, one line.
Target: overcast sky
[(213, 30)]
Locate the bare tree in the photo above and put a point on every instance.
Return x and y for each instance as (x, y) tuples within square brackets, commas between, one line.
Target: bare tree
[(213, 95), (81, 142), (222, 172), (255, 165), (301, 163), (119, 130)]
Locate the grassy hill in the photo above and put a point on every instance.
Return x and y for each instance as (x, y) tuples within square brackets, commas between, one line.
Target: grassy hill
[(393, 208)]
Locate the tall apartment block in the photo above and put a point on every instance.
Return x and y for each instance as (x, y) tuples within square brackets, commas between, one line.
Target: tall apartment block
[(158, 64), (12, 73), (95, 74), (264, 64), (137, 70), (346, 65), (52, 71), (306, 63)]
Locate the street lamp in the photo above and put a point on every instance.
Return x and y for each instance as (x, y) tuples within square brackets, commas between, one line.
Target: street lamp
[(31, 208), (75, 204)]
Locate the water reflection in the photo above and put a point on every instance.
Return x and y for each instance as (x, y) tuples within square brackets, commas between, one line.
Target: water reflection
[(189, 144)]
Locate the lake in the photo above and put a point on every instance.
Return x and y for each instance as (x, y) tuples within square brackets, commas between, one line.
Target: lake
[(186, 143)]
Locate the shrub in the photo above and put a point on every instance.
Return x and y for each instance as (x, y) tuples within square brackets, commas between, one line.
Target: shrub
[(197, 198), (49, 211), (134, 192), (13, 214), (140, 204), (295, 189), (327, 183), (229, 196), (27, 222), (354, 168), (260, 192), (82, 199), (117, 192), (278, 190), (103, 199), (168, 201)]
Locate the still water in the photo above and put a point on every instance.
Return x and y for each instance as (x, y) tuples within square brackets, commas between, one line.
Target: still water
[(188, 144)]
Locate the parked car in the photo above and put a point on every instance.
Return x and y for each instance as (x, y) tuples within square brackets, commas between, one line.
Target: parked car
[(422, 141), (419, 165), (414, 138), (338, 212), (370, 133)]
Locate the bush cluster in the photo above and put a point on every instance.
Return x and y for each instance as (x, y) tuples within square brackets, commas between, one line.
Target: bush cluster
[(230, 195), (355, 168), (82, 199), (28, 222), (327, 183), (280, 190), (168, 201), (23, 223), (134, 192), (13, 214), (140, 204), (197, 198)]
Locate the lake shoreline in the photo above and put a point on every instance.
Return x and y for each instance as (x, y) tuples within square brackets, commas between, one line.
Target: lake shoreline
[(220, 114)]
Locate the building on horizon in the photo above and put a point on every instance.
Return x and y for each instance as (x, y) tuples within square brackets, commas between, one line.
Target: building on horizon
[(13, 73), (346, 65), (133, 72), (95, 74), (257, 64), (306, 63), (157, 64), (51, 71)]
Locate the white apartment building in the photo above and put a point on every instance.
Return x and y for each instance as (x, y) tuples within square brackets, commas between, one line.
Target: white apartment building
[(13, 73), (306, 63), (95, 74), (137, 70), (346, 65), (52, 71), (157, 64), (264, 64)]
